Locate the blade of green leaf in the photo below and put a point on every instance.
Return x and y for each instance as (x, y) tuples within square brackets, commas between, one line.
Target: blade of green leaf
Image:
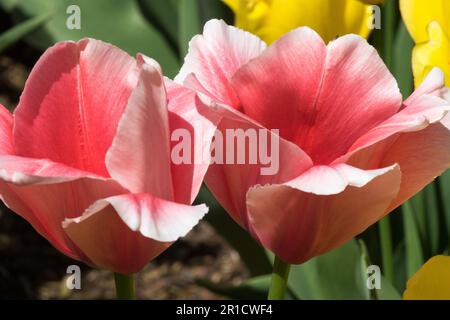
[(162, 14), (19, 31), (334, 275), (188, 23), (414, 251), (444, 188), (215, 9), (432, 214), (402, 69), (118, 22), (365, 263)]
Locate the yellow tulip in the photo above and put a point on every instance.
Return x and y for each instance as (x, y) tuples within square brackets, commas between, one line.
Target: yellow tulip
[(270, 19), (428, 22), (431, 282)]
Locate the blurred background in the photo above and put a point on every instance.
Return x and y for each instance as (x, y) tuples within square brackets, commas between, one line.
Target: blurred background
[(217, 259)]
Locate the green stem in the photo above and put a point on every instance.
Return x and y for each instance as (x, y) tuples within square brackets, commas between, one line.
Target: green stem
[(280, 275), (124, 286)]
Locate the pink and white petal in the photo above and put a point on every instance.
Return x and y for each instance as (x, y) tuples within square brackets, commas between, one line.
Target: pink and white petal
[(423, 111), (6, 131), (72, 103), (187, 116), (342, 91), (229, 181), (297, 225), (136, 228), (422, 156), (216, 55), (139, 157), (328, 180), (422, 108), (433, 84), (46, 206), (28, 171)]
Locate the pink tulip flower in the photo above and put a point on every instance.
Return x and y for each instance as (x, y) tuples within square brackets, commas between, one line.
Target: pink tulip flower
[(350, 151), (85, 158)]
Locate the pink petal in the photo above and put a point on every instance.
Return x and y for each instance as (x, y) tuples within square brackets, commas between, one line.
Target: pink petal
[(45, 205), (216, 55), (26, 171), (298, 225), (139, 157), (328, 180), (422, 108), (137, 228), (6, 130), (321, 98), (229, 182), (422, 156), (186, 112), (72, 103)]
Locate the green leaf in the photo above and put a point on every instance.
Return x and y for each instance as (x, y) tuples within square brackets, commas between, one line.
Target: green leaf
[(432, 214), (387, 291), (444, 188), (162, 14), (251, 253), (118, 22), (253, 289), (188, 23), (334, 275), (402, 70), (215, 9), (19, 31), (414, 251)]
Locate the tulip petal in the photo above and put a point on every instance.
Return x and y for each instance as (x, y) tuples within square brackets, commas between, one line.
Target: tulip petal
[(139, 157), (215, 56), (431, 281), (187, 113), (424, 107), (432, 53), (417, 14), (58, 116), (327, 180), (6, 130), (136, 228), (45, 206), (330, 18), (26, 171), (229, 181), (422, 156), (342, 91), (298, 225)]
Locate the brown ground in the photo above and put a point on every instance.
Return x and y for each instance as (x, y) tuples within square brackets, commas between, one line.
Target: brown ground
[(30, 268)]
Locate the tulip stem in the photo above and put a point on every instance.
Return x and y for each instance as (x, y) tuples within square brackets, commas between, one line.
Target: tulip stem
[(280, 275), (124, 286)]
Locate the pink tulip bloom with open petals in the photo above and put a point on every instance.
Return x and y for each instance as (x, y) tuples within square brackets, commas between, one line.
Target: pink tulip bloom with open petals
[(85, 158), (350, 150)]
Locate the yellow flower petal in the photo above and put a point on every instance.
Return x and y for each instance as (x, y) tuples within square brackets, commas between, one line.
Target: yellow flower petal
[(431, 282), (433, 53), (270, 19), (417, 14), (372, 1)]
